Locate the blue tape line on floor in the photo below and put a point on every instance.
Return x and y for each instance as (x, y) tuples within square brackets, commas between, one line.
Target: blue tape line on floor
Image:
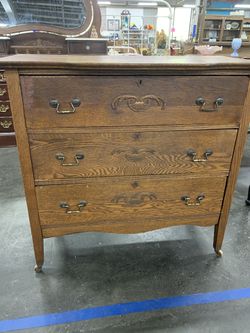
[(122, 309)]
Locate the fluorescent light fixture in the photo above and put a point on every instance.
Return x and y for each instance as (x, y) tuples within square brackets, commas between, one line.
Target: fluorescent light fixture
[(147, 3), (189, 6), (241, 6), (3, 25), (104, 3)]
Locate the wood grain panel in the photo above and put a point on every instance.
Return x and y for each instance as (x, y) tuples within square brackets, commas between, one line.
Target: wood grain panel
[(128, 227), (25, 161), (119, 204), (133, 153), (237, 156), (98, 93)]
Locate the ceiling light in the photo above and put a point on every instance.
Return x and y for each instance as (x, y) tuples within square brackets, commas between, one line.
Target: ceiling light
[(147, 4), (104, 3), (3, 25), (241, 6), (189, 6)]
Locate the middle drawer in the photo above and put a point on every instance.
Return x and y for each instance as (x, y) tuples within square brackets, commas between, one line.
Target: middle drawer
[(67, 156)]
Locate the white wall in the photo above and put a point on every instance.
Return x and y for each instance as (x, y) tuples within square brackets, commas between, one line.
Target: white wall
[(136, 15), (181, 22)]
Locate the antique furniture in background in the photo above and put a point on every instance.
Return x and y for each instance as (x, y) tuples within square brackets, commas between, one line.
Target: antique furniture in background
[(128, 144), (7, 134), (44, 27)]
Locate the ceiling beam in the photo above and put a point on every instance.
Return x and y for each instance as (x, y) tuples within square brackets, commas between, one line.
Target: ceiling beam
[(9, 11)]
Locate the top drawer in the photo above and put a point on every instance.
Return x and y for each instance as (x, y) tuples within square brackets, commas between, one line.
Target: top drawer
[(76, 101)]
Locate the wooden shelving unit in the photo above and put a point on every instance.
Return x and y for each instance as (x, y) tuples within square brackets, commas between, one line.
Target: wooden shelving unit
[(222, 29), (246, 29)]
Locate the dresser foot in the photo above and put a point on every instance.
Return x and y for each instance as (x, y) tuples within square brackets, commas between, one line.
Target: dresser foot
[(219, 253), (38, 268)]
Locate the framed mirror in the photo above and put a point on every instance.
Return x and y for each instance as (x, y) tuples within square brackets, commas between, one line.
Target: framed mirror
[(68, 18)]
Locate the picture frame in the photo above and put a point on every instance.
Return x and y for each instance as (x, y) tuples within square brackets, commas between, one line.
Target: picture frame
[(113, 24)]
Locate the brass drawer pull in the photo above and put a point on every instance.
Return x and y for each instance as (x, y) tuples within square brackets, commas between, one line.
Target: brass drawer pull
[(60, 157), (4, 108), (68, 210), (54, 103), (201, 102), (197, 201), (6, 123), (192, 153), (2, 91)]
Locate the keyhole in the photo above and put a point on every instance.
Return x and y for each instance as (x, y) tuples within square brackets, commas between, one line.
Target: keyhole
[(139, 83)]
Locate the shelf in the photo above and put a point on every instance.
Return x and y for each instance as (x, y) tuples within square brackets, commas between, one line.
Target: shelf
[(222, 34), (223, 43)]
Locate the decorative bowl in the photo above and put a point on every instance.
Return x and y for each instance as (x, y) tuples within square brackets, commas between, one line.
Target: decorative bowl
[(208, 50)]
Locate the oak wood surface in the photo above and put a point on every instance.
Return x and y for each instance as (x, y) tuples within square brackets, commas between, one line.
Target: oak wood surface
[(129, 200), (192, 62), (130, 226), (98, 95), (238, 151), (130, 153), (25, 161), (135, 171)]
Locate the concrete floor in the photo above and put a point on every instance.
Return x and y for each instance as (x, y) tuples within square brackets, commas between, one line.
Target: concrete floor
[(88, 270)]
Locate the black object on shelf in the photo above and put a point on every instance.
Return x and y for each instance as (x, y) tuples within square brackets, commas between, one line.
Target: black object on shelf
[(248, 198)]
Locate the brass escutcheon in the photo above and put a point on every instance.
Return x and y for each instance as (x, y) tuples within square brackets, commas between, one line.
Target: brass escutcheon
[(4, 108), (6, 123), (2, 91)]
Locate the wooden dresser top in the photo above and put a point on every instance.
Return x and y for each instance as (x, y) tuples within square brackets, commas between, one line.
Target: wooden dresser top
[(190, 62)]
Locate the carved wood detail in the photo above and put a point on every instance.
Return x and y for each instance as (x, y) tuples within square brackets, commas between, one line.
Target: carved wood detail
[(134, 199), (138, 104), (133, 154)]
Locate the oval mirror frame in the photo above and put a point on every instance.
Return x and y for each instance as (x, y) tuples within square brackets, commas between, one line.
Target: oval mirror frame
[(93, 18)]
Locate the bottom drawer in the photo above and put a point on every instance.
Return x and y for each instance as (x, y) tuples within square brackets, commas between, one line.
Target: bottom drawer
[(129, 204)]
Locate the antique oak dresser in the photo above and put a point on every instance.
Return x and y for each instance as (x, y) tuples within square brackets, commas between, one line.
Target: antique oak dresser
[(127, 144)]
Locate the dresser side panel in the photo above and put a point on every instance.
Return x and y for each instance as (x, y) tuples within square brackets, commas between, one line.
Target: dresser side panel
[(25, 161), (235, 166)]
